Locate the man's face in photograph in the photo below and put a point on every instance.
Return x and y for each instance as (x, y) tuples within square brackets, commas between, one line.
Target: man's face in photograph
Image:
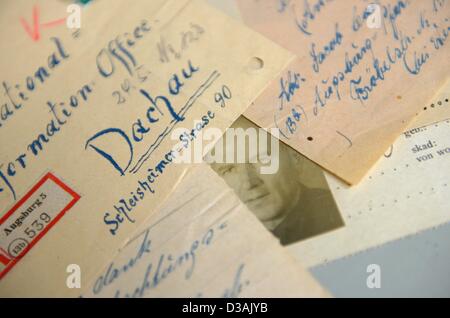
[(269, 196)]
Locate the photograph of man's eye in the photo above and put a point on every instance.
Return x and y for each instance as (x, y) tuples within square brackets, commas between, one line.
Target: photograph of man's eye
[(294, 203)]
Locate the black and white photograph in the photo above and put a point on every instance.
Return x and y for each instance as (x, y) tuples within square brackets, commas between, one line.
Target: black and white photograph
[(294, 203)]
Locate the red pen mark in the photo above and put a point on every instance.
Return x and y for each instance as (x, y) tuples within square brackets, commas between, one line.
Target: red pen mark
[(54, 23), (34, 32)]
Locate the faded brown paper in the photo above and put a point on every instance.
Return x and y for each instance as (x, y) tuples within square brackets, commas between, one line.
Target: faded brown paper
[(176, 42), (354, 88)]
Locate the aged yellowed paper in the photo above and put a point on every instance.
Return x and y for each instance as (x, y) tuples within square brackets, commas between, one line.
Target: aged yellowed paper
[(87, 122), (203, 242), (405, 193), (363, 73)]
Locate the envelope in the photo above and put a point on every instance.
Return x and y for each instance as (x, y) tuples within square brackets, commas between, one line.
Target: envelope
[(91, 100)]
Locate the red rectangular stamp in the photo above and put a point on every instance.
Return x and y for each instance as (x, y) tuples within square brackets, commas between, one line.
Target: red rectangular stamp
[(32, 217)]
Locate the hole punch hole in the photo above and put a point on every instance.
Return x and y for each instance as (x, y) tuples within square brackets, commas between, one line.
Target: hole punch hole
[(255, 64), (310, 138)]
